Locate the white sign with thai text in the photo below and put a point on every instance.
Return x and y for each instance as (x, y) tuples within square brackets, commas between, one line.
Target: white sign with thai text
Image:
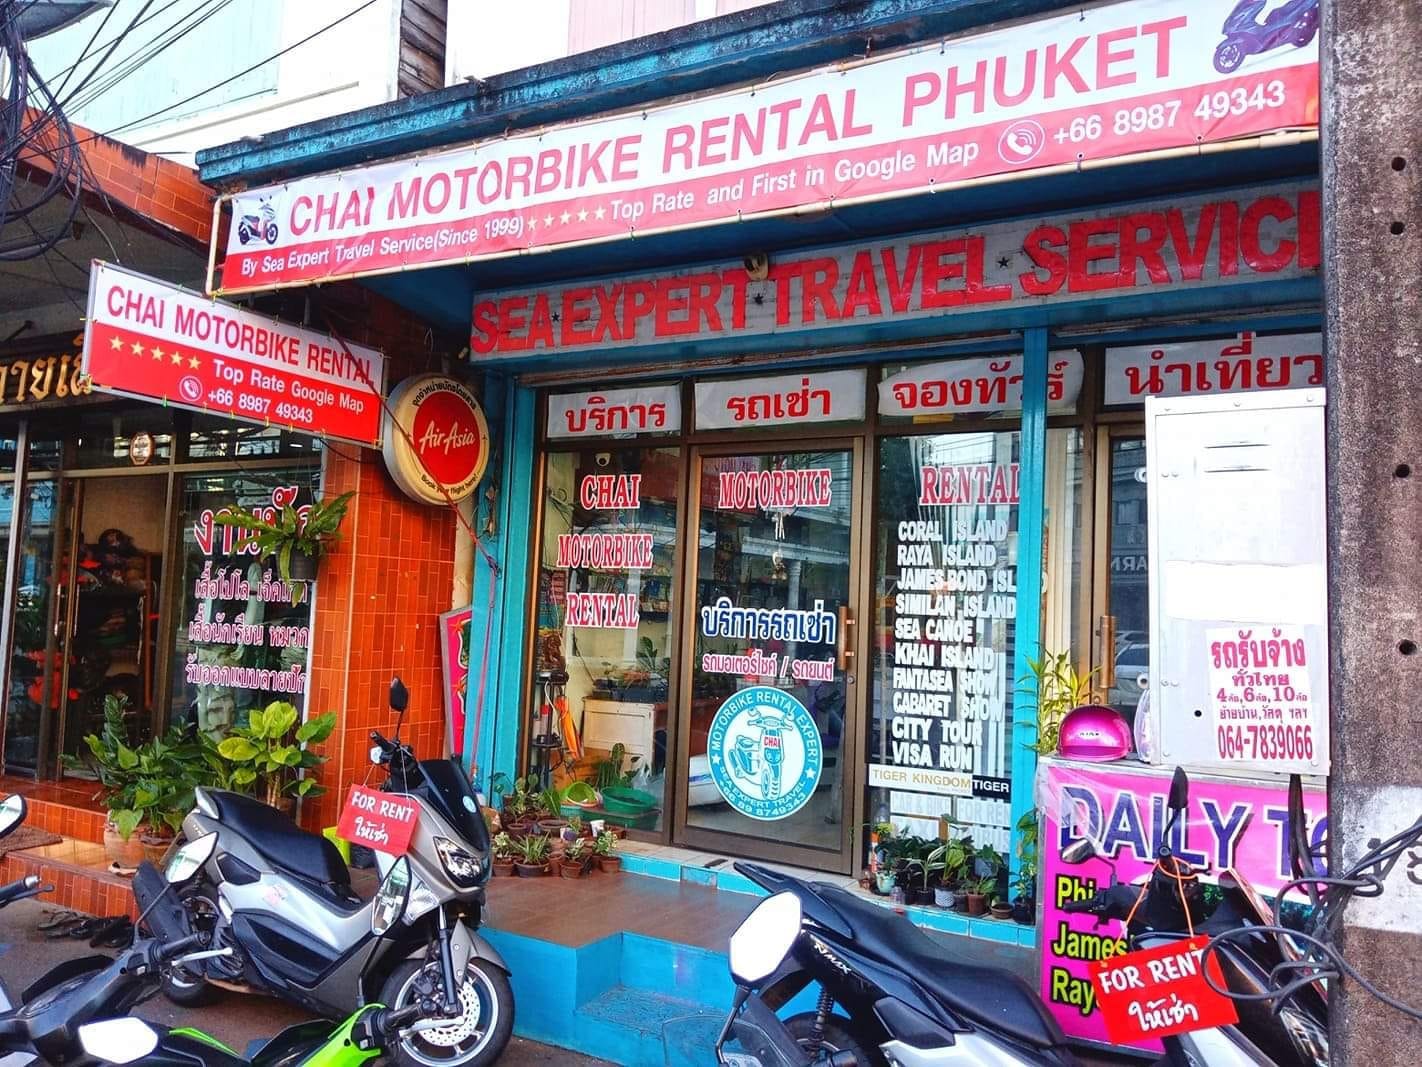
[(782, 400), (964, 386), (1242, 364), (615, 412)]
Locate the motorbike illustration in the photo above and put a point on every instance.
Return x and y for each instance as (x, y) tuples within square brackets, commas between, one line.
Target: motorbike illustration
[(80, 1011), (280, 899), (259, 225), (1292, 23), (763, 759)]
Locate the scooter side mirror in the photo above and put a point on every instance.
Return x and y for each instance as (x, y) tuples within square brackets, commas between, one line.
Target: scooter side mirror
[(399, 695), (1179, 798), (391, 898), (190, 858), (12, 813), (1080, 850)]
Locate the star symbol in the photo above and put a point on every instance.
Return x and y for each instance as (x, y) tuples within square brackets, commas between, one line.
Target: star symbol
[(156, 352), (1003, 262), (533, 223), (548, 220), (583, 215), (193, 363), (116, 344), (600, 212), (137, 348), (564, 218), (177, 358)]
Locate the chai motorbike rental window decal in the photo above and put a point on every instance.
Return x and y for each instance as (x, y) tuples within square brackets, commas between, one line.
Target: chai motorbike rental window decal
[(765, 753), (436, 439)]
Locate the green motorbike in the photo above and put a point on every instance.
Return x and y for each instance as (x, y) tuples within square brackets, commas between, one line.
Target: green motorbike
[(79, 1013)]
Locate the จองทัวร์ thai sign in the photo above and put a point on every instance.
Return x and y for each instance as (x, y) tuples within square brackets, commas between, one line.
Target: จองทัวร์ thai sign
[(1096, 83)]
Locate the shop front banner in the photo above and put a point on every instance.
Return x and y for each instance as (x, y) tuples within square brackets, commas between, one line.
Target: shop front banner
[(964, 386), (1192, 242), (1088, 85), (147, 339), (1231, 822), (1247, 362), (454, 635), (782, 400), (615, 412)]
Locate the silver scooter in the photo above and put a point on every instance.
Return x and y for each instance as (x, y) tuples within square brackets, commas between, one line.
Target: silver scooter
[(281, 899)]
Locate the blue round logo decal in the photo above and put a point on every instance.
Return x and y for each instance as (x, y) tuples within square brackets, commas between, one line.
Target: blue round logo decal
[(765, 753)]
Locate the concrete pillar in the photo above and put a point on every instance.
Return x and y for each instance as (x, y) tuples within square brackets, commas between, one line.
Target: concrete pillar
[(1372, 251)]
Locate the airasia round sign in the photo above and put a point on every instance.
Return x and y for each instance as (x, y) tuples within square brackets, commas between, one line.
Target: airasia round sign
[(450, 439)]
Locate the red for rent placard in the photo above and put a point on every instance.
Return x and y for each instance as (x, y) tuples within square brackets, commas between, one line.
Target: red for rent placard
[(382, 821), (1160, 991), (155, 341)]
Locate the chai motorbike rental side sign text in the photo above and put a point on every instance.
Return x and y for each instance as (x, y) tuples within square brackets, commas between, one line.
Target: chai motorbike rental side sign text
[(765, 753)]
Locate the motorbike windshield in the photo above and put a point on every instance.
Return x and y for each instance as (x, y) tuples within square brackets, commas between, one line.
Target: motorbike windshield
[(1250, 903), (451, 792)]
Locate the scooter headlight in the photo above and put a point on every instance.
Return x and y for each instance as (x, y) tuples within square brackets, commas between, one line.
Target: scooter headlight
[(765, 938), (463, 868)]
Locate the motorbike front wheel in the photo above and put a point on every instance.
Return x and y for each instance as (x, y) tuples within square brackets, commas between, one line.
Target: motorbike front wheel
[(180, 985), (835, 1038), (476, 1038), (1228, 56)]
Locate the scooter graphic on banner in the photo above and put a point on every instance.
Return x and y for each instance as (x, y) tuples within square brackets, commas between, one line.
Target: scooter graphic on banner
[(761, 759), (259, 225), (1295, 23)]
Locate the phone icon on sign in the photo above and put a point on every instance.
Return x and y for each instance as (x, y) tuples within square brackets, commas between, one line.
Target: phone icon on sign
[(190, 389)]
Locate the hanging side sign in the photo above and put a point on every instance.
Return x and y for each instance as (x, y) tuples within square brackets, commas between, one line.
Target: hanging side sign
[(436, 439), (379, 821), (147, 339), (1160, 991)]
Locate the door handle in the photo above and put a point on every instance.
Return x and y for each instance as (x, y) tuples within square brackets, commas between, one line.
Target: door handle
[(843, 654), (1107, 629)]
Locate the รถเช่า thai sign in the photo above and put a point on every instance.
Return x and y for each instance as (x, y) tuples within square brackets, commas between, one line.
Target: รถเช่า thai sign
[(1084, 86), (1231, 822), (147, 339), (1190, 242)]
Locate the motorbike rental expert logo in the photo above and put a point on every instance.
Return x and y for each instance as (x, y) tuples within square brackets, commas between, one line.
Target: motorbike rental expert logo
[(765, 753)]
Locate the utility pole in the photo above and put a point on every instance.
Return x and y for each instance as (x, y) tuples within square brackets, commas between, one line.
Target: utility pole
[(1372, 268)]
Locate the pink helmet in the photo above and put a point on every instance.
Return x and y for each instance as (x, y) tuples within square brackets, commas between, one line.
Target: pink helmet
[(1095, 733)]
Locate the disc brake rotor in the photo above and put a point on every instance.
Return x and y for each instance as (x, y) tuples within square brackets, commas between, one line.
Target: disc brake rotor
[(459, 1030)]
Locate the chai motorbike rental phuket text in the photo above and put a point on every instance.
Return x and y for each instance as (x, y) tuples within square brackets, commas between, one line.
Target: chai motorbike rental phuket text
[(278, 902), (886, 995)]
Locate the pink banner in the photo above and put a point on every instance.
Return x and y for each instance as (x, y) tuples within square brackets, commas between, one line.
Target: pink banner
[(454, 657), (1094, 84), (1231, 823)]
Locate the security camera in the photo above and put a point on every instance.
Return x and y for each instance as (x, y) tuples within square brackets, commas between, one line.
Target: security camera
[(604, 458), (757, 265)]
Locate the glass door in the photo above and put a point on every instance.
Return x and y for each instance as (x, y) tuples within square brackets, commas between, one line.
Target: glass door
[(1122, 637), (769, 693)]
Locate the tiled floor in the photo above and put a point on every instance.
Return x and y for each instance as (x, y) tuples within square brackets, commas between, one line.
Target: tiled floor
[(71, 792), (579, 911)]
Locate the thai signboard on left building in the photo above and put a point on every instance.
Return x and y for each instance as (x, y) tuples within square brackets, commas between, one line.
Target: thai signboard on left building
[(148, 339)]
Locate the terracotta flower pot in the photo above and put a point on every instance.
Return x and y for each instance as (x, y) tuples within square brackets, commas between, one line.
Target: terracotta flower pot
[(570, 869), (531, 870), (1001, 911), (608, 864), (126, 854), (503, 868), (977, 903), (155, 848)]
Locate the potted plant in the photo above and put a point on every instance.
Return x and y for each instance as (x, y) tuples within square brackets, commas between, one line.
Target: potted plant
[(1000, 909), (1058, 688), (979, 890), (268, 755), (605, 849), (518, 802), (550, 811), (577, 857), (891, 849), (1024, 906), (948, 863), (988, 864), (297, 541), (533, 852), (504, 852)]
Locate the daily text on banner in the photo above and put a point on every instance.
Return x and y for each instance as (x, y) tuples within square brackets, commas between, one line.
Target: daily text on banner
[(1095, 84)]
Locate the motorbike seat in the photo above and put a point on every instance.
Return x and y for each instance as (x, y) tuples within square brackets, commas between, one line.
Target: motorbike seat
[(307, 856), (989, 996)]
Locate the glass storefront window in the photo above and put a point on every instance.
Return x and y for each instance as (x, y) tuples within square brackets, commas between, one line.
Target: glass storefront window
[(605, 609), (37, 658), (243, 636), (1128, 587), (945, 586), (213, 437), (105, 438)]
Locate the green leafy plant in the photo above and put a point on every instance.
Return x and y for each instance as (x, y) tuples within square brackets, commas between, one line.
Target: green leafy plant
[(503, 846), (1054, 682), (649, 658), (985, 886), (949, 860), (577, 824), (288, 533), (1027, 850), (608, 772), (269, 754), (534, 850), (577, 851), (519, 795), (606, 844), (550, 803)]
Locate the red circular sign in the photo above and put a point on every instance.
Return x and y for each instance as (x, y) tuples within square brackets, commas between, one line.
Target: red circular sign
[(447, 447)]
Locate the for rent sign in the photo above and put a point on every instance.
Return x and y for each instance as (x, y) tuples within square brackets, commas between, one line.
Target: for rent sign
[(1095, 84), (1184, 243), (155, 341)]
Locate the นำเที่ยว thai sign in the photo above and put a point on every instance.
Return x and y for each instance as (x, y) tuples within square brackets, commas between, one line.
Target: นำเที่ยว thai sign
[(1098, 83)]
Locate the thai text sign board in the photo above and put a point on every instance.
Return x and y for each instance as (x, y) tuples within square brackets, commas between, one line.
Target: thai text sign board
[(147, 339), (614, 412), (384, 822), (1094, 84), (1162, 990), (1232, 822), (1238, 590), (1241, 364), (1186, 243), (781, 400), (967, 386)]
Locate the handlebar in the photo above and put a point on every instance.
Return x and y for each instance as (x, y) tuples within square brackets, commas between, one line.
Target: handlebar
[(28, 886), (158, 952)]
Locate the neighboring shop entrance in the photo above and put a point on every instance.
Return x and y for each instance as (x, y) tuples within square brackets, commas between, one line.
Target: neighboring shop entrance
[(771, 687), (1122, 590)]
